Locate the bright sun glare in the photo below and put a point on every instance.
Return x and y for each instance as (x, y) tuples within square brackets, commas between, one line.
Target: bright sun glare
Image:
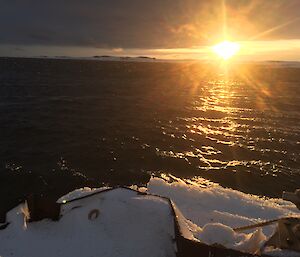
[(226, 49)]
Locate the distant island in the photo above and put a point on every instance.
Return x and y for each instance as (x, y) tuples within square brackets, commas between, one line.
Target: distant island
[(104, 58), (124, 58)]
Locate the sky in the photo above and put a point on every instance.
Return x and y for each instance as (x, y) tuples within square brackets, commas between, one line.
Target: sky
[(180, 29)]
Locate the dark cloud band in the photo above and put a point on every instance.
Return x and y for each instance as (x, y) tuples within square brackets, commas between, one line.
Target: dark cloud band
[(143, 23)]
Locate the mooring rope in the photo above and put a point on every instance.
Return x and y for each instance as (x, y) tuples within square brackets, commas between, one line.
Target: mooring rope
[(260, 224)]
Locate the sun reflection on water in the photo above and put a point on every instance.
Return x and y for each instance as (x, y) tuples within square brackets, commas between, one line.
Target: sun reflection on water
[(225, 129)]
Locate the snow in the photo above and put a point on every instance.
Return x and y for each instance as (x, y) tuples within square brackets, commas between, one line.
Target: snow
[(209, 213), (215, 204), (128, 225), (217, 233), (81, 192), (131, 224)]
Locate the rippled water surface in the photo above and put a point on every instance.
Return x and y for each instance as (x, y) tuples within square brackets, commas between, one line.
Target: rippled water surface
[(123, 120)]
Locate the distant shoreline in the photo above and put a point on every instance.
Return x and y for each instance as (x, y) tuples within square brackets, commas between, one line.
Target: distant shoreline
[(147, 59)]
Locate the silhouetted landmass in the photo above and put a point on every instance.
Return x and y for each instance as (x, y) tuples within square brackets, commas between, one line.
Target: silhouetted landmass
[(124, 57), (147, 57)]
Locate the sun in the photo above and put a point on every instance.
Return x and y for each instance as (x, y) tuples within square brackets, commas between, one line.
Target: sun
[(226, 49)]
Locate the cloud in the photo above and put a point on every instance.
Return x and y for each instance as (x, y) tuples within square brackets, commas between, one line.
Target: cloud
[(144, 24)]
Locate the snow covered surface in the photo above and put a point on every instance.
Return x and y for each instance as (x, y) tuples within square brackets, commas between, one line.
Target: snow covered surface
[(81, 192), (130, 224), (211, 212), (127, 225)]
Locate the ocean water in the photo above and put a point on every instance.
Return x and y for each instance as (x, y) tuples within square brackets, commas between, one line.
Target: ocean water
[(118, 122)]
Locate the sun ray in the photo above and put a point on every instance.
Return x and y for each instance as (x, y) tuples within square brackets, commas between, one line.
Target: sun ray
[(268, 31), (224, 10)]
